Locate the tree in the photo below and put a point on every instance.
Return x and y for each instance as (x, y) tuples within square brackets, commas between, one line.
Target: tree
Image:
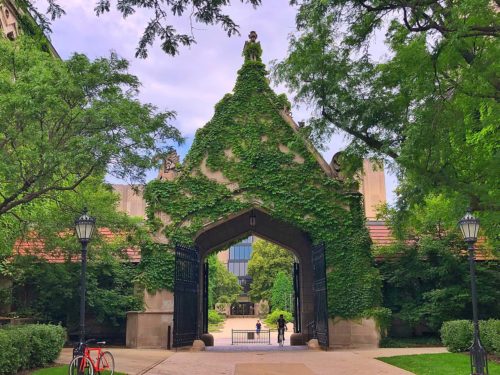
[(430, 108), (67, 122), (265, 263), (208, 12), (223, 286), (282, 292), (49, 291), (426, 279)]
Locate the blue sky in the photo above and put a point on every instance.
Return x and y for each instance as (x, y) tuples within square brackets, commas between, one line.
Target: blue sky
[(195, 80)]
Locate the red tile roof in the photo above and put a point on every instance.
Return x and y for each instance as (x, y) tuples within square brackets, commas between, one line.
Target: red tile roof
[(380, 234), (35, 246)]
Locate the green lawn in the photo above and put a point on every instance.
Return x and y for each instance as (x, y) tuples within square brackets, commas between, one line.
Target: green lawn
[(60, 370), (437, 364)]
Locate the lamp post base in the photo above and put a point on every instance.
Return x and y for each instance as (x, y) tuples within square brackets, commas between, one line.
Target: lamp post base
[(478, 358)]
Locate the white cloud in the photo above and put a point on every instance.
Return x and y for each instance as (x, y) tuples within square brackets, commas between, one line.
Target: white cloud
[(194, 81)]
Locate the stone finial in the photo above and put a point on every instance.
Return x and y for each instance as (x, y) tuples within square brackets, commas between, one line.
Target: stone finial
[(252, 36), (252, 50), (336, 166), (168, 170)]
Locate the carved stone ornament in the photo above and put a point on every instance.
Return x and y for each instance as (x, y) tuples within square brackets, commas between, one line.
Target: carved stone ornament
[(168, 170)]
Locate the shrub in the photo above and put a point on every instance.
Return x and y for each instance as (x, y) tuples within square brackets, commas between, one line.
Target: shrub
[(272, 318), (490, 335), (214, 317), (457, 335), (29, 346)]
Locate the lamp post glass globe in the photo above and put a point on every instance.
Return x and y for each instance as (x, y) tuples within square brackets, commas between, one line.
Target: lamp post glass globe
[(84, 227), (469, 226)]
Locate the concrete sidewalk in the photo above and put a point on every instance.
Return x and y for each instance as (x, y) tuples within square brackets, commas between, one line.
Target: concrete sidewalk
[(128, 361), (352, 362)]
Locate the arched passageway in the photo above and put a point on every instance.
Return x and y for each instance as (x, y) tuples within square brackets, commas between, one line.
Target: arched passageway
[(221, 234)]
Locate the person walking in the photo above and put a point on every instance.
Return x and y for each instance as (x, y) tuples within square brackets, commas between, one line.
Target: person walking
[(281, 329), (258, 326)]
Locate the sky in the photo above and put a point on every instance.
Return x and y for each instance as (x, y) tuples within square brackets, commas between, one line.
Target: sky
[(192, 82)]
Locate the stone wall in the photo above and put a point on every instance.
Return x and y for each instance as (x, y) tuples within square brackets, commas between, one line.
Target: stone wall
[(149, 328), (353, 334)]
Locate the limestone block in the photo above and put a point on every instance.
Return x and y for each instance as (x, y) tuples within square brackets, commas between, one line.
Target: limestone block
[(208, 339), (198, 346)]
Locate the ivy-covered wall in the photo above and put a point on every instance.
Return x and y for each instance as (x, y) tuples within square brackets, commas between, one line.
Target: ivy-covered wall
[(248, 155)]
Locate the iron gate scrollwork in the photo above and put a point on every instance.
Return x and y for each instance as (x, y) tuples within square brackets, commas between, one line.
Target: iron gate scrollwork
[(186, 282), (320, 295)]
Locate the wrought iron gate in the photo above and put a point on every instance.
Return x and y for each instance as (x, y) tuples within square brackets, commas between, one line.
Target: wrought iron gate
[(296, 298), (320, 294), (205, 297), (186, 295)]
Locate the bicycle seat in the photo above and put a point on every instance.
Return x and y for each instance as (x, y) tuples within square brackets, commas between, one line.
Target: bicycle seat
[(101, 342)]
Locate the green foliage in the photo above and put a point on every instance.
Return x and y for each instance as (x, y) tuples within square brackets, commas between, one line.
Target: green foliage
[(214, 317), (382, 316), (272, 319), (157, 267), (65, 125), (410, 342), (428, 281), (206, 12), (50, 292), (29, 346), (456, 335), (241, 143), (282, 292), (223, 286), (490, 335), (266, 263), (435, 122)]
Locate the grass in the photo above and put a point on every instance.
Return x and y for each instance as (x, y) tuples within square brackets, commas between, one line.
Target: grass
[(60, 370), (215, 327), (410, 342), (437, 364)]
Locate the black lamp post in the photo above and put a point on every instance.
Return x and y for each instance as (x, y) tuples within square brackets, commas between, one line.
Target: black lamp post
[(84, 227), (469, 226)]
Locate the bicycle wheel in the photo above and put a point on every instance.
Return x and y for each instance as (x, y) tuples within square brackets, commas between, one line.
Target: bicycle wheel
[(80, 366), (106, 364)]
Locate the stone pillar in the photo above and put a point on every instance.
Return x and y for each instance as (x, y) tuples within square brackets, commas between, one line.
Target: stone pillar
[(149, 328), (353, 334)]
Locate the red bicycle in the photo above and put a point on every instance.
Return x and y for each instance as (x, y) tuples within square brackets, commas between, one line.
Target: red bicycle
[(92, 361)]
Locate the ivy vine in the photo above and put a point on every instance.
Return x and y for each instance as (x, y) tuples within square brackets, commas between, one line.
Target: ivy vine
[(267, 164)]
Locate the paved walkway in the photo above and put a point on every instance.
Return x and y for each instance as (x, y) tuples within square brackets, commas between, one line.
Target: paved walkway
[(222, 339), (357, 362), (128, 361), (257, 359)]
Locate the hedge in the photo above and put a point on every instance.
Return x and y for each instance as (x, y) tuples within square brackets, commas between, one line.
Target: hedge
[(457, 335), (29, 346), (214, 317), (272, 319)]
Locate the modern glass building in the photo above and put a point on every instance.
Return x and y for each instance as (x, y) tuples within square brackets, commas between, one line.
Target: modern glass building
[(237, 263)]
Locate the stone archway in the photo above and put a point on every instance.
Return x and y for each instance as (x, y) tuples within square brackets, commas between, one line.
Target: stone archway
[(223, 232), (252, 156)]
